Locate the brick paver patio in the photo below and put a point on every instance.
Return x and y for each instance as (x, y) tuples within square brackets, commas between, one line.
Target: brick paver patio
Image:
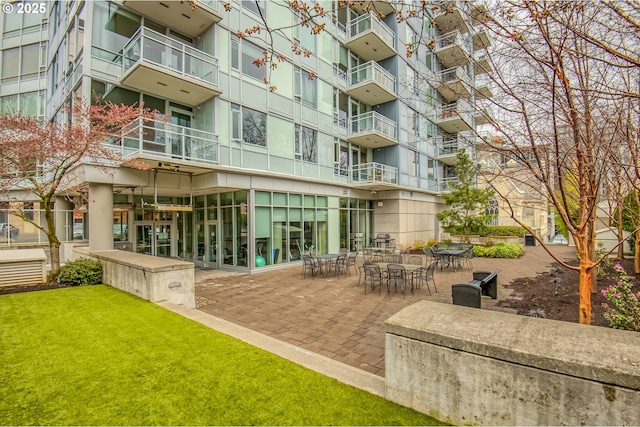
[(333, 317)]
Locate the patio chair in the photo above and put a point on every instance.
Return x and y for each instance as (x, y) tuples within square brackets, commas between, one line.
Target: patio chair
[(340, 265), (351, 261), (359, 263), (373, 276), (414, 260), (466, 258), (398, 276), (311, 265), (426, 274)]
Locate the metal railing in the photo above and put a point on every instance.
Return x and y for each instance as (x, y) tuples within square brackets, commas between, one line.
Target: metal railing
[(369, 21), (372, 71), (374, 173), (452, 144), (447, 183), (452, 38), (170, 54), (454, 74), (164, 139), (373, 122), (459, 108)]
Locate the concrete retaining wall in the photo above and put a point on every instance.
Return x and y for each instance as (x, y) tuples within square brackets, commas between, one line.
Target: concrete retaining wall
[(470, 366), (151, 278)]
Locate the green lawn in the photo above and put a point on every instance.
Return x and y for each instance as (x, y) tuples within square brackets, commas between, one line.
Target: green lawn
[(95, 355)]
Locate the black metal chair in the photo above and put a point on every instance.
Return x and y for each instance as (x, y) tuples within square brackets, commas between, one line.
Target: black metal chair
[(340, 265), (426, 274), (351, 261), (373, 276), (310, 265), (398, 276)]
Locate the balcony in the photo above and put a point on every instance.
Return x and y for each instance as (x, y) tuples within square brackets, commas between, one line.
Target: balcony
[(455, 117), (370, 38), (372, 130), (452, 15), (483, 86), (372, 84), (453, 84), (447, 183), (382, 6), (451, 49), (162, 66), (180, 15), (481, 63), (480, 38), (448, 147), (156, 139), (373, 173)]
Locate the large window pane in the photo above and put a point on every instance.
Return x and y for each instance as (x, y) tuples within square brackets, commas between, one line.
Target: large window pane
[(10, 65), (254, 127), (250, 53), (309, 145)]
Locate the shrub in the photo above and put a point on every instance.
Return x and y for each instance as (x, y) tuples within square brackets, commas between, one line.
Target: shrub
[(499, 250), (431, 242), (503, 230), (623, 308), (81, 272), (418, 245)]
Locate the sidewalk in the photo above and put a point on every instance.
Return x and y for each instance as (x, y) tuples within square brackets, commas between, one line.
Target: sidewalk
[(333, 317)]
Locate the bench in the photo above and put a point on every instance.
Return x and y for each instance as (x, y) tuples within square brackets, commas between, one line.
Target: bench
[(487, 281), (469, 294)]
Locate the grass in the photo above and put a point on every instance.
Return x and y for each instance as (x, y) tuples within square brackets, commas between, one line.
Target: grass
[(98, 356)]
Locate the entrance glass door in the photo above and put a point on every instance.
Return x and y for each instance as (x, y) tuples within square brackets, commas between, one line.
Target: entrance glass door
[(163, 240), (144, 239), (212, 244), (156, 243)]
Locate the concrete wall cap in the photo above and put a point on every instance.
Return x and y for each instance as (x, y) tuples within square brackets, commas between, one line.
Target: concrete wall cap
[(144, 262), (12, 255), (595, 353)]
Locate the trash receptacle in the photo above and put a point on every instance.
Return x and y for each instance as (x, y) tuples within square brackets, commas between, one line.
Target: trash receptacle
[(466, 294), (529, 240)]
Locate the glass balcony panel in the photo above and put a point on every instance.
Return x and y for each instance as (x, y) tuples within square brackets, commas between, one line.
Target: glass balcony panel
[(371, 38)]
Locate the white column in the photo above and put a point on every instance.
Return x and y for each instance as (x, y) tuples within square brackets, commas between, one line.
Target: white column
[(100, 217)]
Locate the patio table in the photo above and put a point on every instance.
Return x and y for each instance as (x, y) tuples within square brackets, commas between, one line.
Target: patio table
[(452, 256), (410, 269), (325, 260)]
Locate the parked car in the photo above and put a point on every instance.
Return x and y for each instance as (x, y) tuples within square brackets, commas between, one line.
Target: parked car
[(9, 231), (559, 239)]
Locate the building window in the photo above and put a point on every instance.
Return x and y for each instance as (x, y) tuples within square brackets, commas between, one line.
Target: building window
[(259, 7), (251, 52), (254, 127), (306, 144), (235, 53), (305, 88), (493, 210), (236, 122)]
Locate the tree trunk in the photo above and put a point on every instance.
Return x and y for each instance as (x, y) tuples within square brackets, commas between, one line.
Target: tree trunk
[(636, 258), (54, 243), (620, 233), (585, 290), (54, 249)]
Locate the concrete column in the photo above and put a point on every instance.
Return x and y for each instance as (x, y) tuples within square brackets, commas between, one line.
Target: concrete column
[(62, 219), (100, 217)]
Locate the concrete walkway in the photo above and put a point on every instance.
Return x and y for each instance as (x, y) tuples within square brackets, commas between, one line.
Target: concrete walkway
[(333, 318)]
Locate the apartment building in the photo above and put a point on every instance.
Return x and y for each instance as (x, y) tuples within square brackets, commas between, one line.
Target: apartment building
[(358, 138)]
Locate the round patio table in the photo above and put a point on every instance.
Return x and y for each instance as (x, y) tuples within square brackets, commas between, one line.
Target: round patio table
[(452, 256)]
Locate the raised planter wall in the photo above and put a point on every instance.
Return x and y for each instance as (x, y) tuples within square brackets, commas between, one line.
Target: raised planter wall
[(470, 366), (151, 278)]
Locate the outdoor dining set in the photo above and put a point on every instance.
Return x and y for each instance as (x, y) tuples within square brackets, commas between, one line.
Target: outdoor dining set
[(380, 266)]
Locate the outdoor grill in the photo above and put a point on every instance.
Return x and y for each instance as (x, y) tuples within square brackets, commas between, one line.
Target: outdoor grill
[(382, 240)]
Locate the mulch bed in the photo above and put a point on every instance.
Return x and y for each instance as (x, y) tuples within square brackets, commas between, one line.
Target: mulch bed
[(556, 294), (29, 288)]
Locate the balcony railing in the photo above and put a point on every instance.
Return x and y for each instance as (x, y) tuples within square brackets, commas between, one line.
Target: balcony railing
[(452, 38), (369, 21), (374, 173), (452, 144), (447, 183), (171, 141), (169, 54), (372, 71), (373, 122), (454, 74)]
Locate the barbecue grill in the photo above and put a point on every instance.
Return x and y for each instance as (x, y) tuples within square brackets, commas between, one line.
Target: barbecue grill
[(382, 240)]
